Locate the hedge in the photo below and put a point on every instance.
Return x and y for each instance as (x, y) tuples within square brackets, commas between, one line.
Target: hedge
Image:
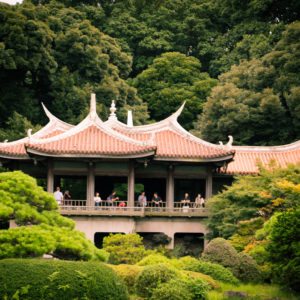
[(152, 276), (129, 274), (216, 271), (38, 279), (154, 259)]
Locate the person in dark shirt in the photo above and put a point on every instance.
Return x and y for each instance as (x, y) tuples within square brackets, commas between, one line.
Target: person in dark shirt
[(112, 198), (156, 200)]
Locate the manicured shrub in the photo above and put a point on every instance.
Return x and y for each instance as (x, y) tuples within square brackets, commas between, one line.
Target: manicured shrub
[(185, 263), (124, 248), (36, 240), (196, 275), (248, 269), (216, 271), (152, 276), (154, 259), (37, 279), (221, 252), (197, 287), (174, 289), (241, 265), (129, 274)]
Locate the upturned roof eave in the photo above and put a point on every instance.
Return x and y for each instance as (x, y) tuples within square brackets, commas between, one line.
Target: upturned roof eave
[(142, 154), (195, 159)]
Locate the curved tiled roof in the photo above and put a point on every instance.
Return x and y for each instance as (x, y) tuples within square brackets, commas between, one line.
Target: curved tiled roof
[(166, 140), (173, 141), (92, 141), (90, 138), (16, 149), (246, 157)]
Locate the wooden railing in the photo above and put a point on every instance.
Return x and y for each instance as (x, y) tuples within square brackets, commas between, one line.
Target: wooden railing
[(116, 208)]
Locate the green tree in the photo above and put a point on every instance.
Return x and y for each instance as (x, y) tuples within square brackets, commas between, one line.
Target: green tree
[(283, 248), (246, 115), (274, 189), (170, 80), (18, 127), (41, 227), (124, 248), (54, 54), (257, 96)]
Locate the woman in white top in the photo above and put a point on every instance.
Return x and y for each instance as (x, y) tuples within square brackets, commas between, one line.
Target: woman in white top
[(97, 199)]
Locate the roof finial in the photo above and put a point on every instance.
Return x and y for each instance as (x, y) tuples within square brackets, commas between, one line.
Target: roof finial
[(112, 110), (177, 113), (29, 133), (230, 141), (93, 111), (129, 118)]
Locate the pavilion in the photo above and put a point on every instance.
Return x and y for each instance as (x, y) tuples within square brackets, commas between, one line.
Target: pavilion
[(96, 156)]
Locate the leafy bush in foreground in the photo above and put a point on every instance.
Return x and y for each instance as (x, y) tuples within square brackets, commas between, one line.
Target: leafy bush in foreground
[(174, 289), (216, 271), (152, 276), (124, 248), (206, 278), (64, 280), (34, 241), (153, 259), (129, 274)]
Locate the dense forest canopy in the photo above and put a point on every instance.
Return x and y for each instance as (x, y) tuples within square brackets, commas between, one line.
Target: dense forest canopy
[(236, 64)]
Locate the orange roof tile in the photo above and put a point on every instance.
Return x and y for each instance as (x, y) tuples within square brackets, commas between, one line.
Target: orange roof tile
[(246, 158), (90, 140), (173, 141), (171, 144)]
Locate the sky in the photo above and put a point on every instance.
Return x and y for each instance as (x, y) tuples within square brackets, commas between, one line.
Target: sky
[(11, 1)]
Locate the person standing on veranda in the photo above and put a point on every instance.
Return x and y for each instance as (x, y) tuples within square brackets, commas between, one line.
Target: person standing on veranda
[(58, 195), (142, 200)]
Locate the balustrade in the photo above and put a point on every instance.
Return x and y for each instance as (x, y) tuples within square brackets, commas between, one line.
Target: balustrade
[(120, 207)]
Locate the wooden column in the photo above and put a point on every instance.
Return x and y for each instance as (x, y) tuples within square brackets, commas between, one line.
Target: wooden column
[(50, 177), (208, 188), (90, 190), (131, 180), (170, 187)]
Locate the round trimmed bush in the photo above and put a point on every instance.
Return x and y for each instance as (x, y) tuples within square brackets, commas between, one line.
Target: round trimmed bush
[(129, 274), (221, 252), (248, 269), (153, 259), (216, 271), (152, 276), (174, 289), (185, 263), (206, 278), (37, 279), (197, 287)]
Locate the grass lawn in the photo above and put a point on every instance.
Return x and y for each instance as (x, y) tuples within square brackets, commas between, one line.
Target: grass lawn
[(253, 291)]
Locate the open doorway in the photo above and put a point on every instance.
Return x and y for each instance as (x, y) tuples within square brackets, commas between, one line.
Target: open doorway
[(153, 185), (191, 186), (188, 244)]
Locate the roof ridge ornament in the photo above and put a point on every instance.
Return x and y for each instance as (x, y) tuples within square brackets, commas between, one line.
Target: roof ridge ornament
[(113, 110), (129, 118), (29, 133), (228, 145), (177, 113), (230, 142), (93, 107), (48, 113)]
